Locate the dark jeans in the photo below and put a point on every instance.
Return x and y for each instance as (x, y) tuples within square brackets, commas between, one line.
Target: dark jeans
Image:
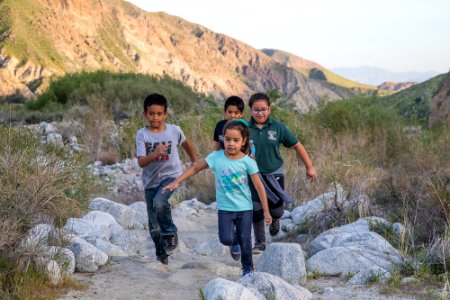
[(242, 221), (160, 221), (276, 211)]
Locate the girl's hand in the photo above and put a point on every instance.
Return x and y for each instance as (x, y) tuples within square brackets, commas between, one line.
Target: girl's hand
[(268, 218), (170, 187)]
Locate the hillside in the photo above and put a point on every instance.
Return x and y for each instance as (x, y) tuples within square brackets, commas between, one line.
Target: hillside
[(44, 38), (315, 71), (415, 102)]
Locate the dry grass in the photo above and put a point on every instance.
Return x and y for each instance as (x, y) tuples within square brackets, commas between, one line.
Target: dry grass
[(39, 184)]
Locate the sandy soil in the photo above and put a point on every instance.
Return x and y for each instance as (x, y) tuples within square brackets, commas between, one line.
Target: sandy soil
[(142, 277)]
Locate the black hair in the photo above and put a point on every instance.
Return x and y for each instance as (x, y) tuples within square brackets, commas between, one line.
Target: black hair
[(236, 101), (258, 97), (245, 132), (157, 99)]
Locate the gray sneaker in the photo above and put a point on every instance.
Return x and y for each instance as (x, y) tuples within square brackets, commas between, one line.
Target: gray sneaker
[(259, 247)]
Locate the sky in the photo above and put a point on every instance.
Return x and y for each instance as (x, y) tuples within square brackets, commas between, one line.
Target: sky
[(397, 35)]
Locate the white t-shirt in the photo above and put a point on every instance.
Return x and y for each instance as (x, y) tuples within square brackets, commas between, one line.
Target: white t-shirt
[(166, 166)]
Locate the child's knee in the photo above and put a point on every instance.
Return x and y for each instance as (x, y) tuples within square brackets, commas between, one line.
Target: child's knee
[(227, 241)]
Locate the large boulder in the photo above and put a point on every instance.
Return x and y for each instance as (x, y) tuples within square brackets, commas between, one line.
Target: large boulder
[(284, 260), (222, 289), (141, 216), (123, 214), (86, 229), (273, 287), (88, 258), (350, 249)]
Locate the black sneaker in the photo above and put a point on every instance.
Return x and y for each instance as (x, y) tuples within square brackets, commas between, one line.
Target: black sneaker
[(259, 247), (164, 259), (274, 227), (235, 252), (171, 242)]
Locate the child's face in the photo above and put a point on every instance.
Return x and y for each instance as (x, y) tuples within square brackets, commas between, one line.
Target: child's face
[(233, 141), (260, 111), (155, 116), (232, 112)]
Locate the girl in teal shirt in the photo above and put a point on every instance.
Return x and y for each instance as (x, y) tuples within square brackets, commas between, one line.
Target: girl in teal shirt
[(232, 169)]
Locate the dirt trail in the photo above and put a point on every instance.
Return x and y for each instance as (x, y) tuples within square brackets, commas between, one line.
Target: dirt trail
[(142, 277)]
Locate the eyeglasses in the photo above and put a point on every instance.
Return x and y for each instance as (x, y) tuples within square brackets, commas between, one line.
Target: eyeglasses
[(260, 110)]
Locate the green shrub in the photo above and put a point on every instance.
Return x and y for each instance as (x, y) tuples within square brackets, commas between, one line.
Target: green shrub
[(39, 183)]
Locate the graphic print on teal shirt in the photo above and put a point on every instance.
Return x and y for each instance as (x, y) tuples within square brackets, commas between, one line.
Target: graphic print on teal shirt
[(232, 182), (231, 178)]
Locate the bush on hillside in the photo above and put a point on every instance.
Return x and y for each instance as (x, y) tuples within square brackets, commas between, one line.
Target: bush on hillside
[(40, 183)]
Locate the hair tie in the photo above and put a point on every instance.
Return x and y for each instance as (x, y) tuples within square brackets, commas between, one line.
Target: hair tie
[(243, 122)]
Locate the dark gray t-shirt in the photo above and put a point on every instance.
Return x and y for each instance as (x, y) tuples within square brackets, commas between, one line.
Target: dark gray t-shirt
[(166, 166)]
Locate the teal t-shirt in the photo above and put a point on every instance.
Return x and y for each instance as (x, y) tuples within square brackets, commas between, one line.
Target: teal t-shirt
[(267, 142), (231, 178)]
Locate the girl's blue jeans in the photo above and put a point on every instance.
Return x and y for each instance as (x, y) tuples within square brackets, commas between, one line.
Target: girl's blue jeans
[(159, 212), (235, 227)]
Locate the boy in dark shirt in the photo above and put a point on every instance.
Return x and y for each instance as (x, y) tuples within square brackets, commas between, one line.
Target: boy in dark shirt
[(233, 108)]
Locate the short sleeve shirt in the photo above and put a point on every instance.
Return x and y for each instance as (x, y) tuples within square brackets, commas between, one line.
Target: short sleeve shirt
[(218, 133), (267, 141), (231, 178), (166, 166)]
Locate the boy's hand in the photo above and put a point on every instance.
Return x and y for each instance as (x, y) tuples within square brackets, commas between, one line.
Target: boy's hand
[(170, 187), (311, 173), (161, 150), (268, 218)]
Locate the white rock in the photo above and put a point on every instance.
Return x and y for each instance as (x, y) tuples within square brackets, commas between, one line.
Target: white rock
[(53, 272), (123, 214), (274, 287), (284, 260), (222, 289), (88, 258)]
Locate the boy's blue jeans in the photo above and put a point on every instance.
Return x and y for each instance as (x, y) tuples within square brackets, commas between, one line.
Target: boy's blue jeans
[(242, 220), (160, 221)]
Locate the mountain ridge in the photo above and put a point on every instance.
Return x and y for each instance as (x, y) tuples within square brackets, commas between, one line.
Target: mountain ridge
[(53, 37), (377, 76)]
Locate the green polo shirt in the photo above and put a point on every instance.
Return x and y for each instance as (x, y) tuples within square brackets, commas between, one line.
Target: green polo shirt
[(267, 142)]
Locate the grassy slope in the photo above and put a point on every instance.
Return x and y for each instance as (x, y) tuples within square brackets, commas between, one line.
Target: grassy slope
[(25, 42), (414, 102)]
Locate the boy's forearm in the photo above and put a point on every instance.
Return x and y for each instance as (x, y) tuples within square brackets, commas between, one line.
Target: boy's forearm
[(187, 146), (144, 161), (301, 151)]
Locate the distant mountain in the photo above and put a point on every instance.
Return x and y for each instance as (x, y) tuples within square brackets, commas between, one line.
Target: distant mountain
[(376, 76), (316, 71), (41, 39)]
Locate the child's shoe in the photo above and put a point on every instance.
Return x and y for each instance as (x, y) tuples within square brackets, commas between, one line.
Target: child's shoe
[(171, 242), (235, 252), (164, 259), (274, 227), (245, 272), (259, 247)]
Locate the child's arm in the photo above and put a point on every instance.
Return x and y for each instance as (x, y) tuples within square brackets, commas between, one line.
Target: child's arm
[(216, 146), (144, 161), (262, 196), (301, 151), (187, 146), (194, 169)]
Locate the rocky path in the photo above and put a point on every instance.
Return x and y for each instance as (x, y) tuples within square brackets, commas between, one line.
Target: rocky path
[(142, 277)]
